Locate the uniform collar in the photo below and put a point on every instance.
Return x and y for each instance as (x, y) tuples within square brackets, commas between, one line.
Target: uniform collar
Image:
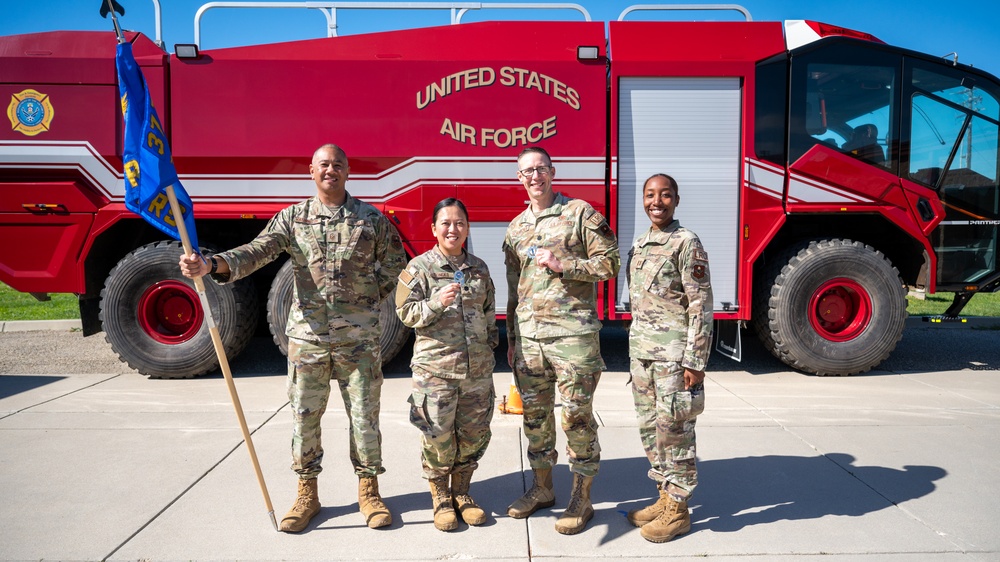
[(555, 209), (319, 209), (442, 260), (657, 236)]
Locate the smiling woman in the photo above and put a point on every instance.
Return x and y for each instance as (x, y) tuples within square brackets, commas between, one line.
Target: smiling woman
[(22, 306)]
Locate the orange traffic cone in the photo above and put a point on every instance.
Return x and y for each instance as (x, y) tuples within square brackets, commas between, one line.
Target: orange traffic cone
[(511, 403)]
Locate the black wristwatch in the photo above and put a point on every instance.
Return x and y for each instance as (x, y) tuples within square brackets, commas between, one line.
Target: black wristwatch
[(215, 265)]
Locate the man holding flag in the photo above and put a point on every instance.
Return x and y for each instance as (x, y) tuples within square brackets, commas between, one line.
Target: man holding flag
[(153, 191), (346, 257)]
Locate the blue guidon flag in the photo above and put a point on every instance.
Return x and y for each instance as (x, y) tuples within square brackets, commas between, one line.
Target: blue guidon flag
[(148, 166)]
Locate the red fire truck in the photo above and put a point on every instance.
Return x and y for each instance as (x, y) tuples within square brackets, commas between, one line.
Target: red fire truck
[(824, 170)]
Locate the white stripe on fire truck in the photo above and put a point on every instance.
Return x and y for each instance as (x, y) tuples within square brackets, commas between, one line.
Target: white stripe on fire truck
[(808, 190), (64, 155), (764, 178), (768, 179), (457, 171)]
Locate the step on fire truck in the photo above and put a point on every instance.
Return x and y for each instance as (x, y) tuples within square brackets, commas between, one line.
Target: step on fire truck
[(824, 170)]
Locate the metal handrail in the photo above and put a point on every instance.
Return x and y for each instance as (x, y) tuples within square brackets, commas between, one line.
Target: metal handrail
[(329, 9), (540, 6), (693, 7)]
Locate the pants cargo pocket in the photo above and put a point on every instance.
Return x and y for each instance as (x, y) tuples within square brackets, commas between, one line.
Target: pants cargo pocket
[(419, 417), (688, 404)]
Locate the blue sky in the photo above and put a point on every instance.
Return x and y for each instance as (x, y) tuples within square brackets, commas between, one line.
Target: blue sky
[(936, 27)]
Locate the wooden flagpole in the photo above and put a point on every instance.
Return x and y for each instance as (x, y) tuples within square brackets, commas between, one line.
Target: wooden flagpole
[(220, 351)]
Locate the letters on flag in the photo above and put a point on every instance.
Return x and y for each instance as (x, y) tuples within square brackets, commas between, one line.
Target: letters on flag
[(146, 154)]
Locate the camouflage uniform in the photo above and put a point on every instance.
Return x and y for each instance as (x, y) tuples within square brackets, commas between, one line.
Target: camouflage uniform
[(452, 399), (671, 297), (345, 262), (553, 328)]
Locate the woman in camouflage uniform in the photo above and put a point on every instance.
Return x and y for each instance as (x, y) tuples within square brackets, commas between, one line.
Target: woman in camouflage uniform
[(669, 342), (447, 295)]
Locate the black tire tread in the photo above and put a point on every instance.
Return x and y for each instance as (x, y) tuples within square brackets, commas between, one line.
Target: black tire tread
[(194, 357), (778, 340)]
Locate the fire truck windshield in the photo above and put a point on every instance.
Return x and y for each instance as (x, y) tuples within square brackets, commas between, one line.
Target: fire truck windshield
[(924, 120)]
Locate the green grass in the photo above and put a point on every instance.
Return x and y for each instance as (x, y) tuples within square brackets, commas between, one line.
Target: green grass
[(22, 306), (983, 304)]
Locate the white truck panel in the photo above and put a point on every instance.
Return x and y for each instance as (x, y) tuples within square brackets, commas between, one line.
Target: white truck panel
[(690, 129)]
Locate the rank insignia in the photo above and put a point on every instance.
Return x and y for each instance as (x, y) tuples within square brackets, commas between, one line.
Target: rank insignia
[(30, 112)]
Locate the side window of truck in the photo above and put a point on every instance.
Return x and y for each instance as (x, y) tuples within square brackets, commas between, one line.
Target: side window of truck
[(844, 96), (953, 130)]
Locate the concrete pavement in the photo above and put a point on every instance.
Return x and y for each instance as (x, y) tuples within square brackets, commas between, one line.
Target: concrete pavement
[(898, 464)]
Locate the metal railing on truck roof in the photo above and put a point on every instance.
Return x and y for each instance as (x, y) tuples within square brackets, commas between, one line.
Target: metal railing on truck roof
[(457, 9), (685, 7), (329, 9)]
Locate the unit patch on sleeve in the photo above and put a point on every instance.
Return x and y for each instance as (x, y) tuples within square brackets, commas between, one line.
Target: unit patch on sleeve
[(699, 269), (598, 223)]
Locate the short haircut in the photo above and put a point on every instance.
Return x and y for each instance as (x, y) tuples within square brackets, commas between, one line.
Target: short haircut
[(535, 150), (671, 181), (336, 149)]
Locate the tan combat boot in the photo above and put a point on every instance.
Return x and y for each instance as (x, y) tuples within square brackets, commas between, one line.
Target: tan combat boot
[(675, 520), (538, 496), (579, 511), (306, 506), (370, 502), (471, 513), (444, 512), (640, 517)]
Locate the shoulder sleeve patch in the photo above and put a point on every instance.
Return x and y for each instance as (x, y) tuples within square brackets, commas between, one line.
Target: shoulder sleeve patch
[(404, 288), (597, 222)]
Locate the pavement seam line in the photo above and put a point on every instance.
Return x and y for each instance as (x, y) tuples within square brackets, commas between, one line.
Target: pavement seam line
[(198, 480), (60, 396)]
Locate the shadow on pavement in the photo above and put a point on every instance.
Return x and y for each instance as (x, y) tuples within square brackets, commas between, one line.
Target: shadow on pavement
[(732, 494), (16, 384)]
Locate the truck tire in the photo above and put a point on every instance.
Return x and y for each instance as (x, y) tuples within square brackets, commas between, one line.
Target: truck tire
[(835, 307), (279, 303), (153, 319)]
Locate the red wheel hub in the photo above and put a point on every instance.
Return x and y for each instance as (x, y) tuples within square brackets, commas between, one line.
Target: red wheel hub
[(840, 309), (170, 312)]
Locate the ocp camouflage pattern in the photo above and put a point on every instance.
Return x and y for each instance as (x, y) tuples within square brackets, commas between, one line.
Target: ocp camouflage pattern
[(457, 341), (312, 369), (667, 414), (543, 304), (670, 290), (344, 265), (453, 416)]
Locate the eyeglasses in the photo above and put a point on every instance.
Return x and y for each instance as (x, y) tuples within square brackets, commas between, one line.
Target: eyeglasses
[(542, 171)]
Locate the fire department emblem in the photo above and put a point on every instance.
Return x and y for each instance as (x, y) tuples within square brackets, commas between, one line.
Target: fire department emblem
[(30, 112)]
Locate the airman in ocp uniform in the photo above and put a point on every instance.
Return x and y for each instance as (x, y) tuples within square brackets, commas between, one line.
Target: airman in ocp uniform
[(346, 257), (555, 251), (447, 295), (670, 338)]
